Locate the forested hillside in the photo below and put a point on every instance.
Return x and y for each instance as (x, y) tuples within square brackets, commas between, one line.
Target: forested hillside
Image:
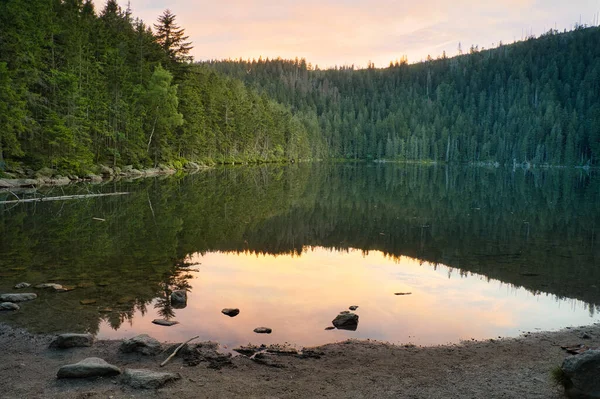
[(80, 87), (531, 102)]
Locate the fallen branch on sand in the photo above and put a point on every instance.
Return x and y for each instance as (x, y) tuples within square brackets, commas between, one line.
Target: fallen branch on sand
[(167, 360), (61, 198)]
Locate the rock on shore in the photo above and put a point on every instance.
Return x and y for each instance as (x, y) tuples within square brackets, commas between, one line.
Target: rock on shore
[(90, 367)]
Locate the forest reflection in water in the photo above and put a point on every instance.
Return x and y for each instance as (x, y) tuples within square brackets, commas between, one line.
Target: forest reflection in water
[(327, 237)]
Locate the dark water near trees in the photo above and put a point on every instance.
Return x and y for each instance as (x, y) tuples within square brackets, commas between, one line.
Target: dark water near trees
[(484, 252)]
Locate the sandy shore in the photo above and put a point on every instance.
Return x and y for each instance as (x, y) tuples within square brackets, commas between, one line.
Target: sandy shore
[(506, 368)]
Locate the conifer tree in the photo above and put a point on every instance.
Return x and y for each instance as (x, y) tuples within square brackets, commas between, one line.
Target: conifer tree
[(171, 38)]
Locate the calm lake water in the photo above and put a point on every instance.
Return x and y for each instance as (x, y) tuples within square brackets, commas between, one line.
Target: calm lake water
[(483, 252)]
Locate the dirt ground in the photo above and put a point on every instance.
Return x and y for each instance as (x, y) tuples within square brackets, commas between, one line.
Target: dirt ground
[(507, 368)]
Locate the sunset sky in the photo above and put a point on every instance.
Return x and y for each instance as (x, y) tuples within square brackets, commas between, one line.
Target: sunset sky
[(345, 32)]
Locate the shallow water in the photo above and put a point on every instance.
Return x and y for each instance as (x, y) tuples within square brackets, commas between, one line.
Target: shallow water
[(483, 252)]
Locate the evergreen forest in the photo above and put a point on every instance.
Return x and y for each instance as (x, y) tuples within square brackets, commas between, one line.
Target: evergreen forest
[(81, 87), (534, 102)]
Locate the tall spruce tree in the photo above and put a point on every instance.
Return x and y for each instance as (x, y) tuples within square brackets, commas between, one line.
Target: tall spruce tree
[(171, 38)]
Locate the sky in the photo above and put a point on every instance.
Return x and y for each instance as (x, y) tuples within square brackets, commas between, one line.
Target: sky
[(347, 32)]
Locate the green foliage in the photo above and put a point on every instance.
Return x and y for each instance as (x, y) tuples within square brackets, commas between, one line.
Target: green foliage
[(559, 377), (532, 102), (79, 89)]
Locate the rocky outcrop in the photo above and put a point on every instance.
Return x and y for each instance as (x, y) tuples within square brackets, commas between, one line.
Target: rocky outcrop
[(583, 373), (90, 367), (147, 379), (143, 344), (70, 340)]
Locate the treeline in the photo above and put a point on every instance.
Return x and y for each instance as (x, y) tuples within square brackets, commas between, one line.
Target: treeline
[(535, 102), (80, 88)]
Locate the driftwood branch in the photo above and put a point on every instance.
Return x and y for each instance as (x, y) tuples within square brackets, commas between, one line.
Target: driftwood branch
[(167, 360), (61, 198)]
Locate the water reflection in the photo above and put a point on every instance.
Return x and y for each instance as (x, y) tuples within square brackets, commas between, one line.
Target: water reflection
[(298, 296), (531, 229)]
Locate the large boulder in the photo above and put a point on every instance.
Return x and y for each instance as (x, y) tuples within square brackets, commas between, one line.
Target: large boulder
[(179, 299), (583, 373), (147, 379), (69, 340), (17, 297), (90, 367), (143, 344), (346, 321)]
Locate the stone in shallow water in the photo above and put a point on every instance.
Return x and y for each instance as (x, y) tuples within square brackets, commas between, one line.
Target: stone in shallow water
[(55, 287), (231, 312), (70, 340), (90, 367), (346, 321), (353, 307), (143, 344), (87, 301), (263, 330), (147, 379), (329, 328), (22, 285), (179, 299), (163, 322), (17, 297), (9, 306)]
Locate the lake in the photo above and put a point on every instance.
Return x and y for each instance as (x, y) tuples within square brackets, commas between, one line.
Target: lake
[(483, 252)]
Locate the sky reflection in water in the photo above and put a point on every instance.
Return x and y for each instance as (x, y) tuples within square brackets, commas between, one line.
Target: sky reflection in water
[(298, 296)]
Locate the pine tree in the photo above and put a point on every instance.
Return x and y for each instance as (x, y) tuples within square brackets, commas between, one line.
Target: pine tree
[(171, 38)]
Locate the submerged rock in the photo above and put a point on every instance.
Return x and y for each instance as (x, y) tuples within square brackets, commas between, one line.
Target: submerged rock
[(346, 321), (55, 287), (22, 285), (583, 372), (163, 322), (69, 340), (87, 301), (17, 297), (9, 306), (329, 328), (263, 330), (353, 307), (90, 367), (147, 379), (230, 312), (179, 299), (403, 293), (143, 344)]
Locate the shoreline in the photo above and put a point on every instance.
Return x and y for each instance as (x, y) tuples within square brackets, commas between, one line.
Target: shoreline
[(497, 368)]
